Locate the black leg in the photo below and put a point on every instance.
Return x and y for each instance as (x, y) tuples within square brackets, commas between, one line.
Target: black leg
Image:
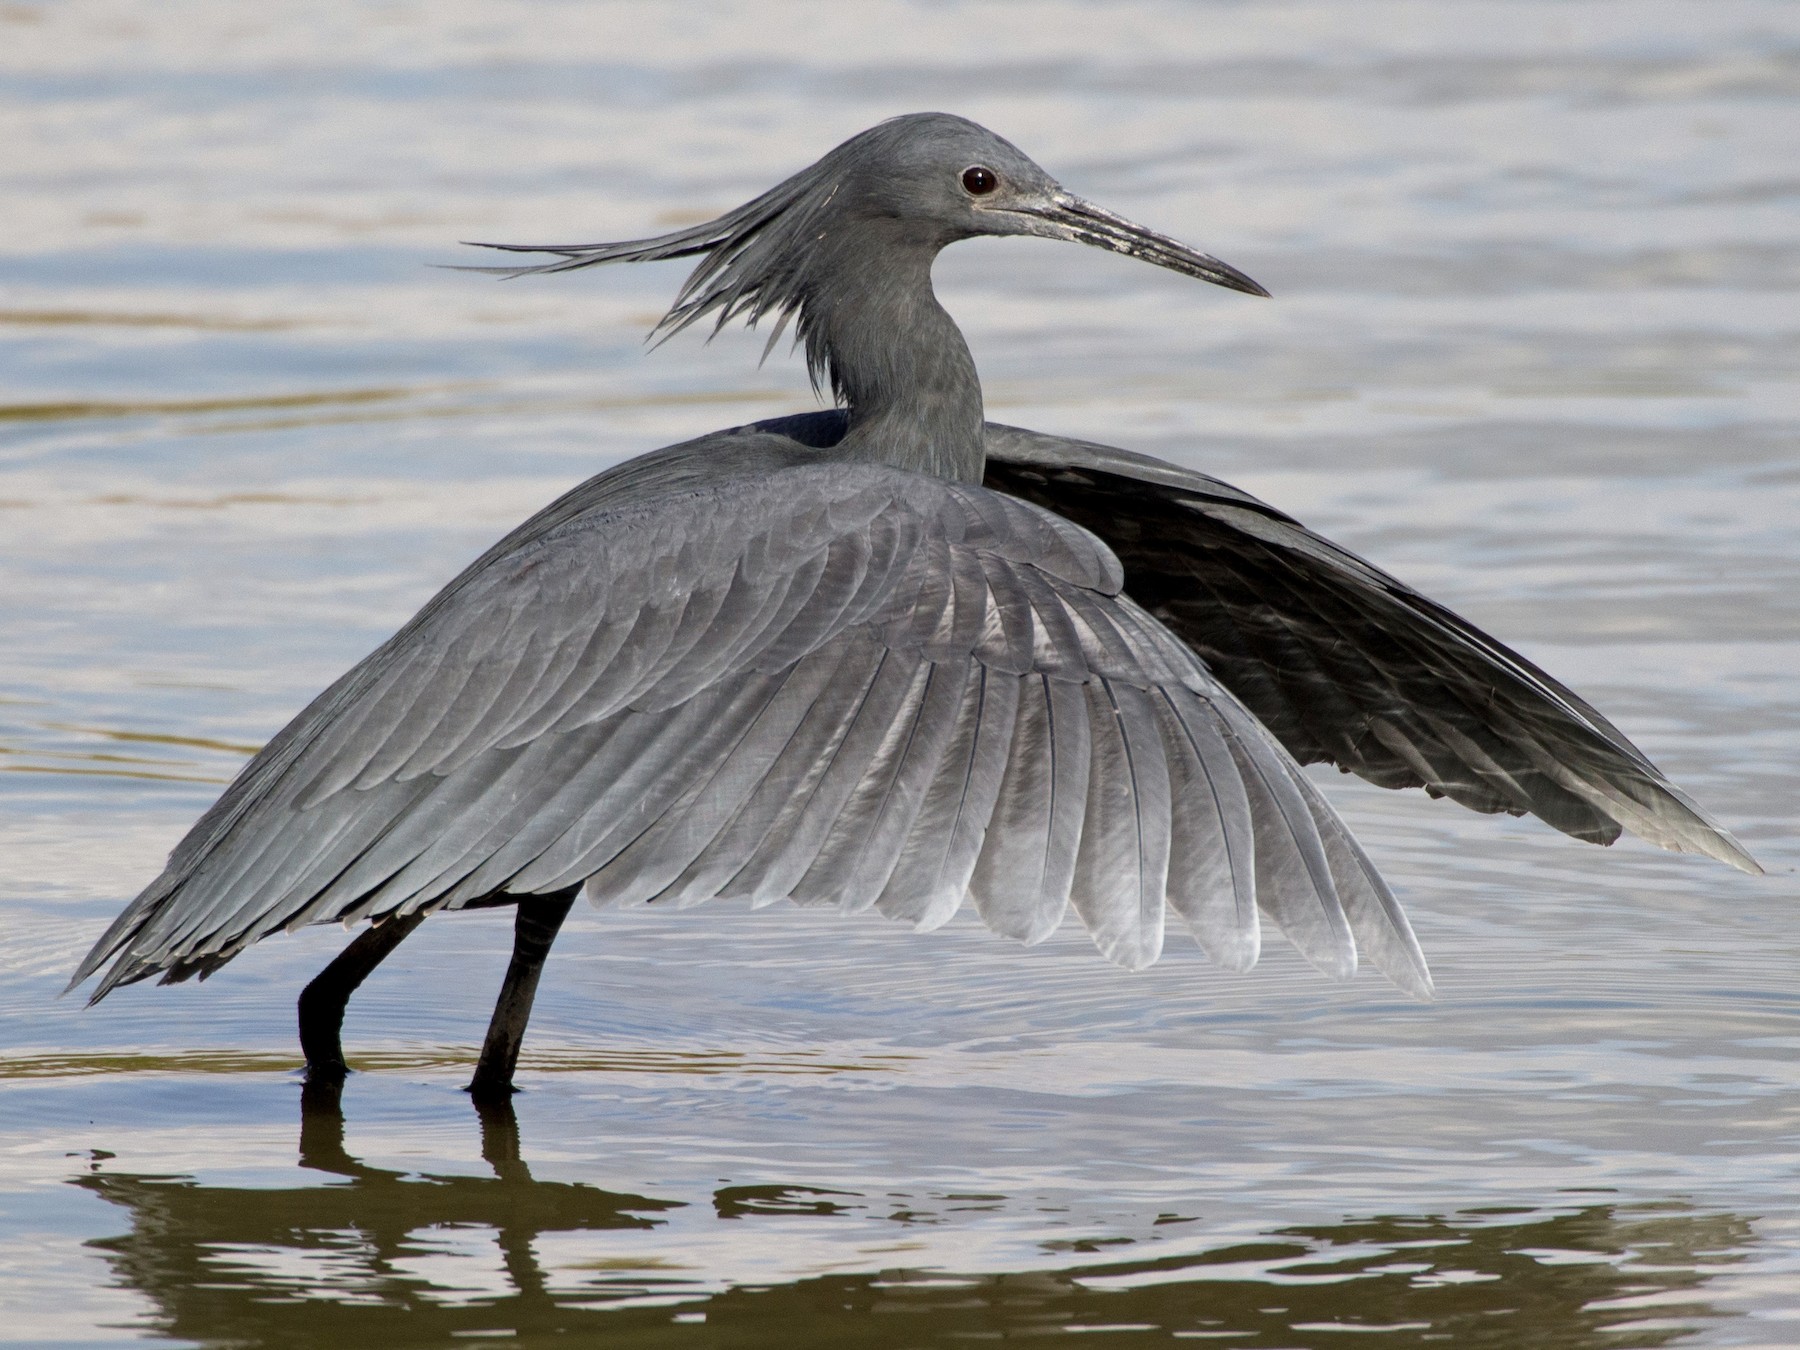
[(322, 1002), (534, 928)]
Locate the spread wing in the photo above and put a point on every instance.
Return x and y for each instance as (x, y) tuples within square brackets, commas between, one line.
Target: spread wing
[(1345, 664), (744, 670)]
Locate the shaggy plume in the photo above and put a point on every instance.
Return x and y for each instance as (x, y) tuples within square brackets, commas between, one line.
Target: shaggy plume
[(752, 259)]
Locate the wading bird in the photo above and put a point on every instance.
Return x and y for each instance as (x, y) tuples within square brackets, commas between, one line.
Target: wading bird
[(889, 655)]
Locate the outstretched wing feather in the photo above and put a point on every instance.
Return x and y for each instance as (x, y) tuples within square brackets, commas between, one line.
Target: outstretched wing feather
[(827, 683), (1345, 664)]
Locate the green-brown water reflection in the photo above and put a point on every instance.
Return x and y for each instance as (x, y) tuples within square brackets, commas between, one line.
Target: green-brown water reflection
[(380, 1257)]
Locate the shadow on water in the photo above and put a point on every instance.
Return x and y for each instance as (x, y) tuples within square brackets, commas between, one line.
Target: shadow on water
[(339, 1264)]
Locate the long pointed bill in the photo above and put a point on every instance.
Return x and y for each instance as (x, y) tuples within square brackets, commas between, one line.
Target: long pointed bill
[(1069, 217)]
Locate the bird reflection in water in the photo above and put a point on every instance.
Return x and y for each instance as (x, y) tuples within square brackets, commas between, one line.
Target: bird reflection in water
[(340, 1264)]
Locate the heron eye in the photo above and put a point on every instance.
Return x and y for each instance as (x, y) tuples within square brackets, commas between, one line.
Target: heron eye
[(978, 182)]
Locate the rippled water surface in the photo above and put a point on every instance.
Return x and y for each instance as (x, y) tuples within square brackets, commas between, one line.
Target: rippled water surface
[(1533, 347)]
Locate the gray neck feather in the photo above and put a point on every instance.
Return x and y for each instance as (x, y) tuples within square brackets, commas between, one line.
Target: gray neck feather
[(897, 360), (828, 251)]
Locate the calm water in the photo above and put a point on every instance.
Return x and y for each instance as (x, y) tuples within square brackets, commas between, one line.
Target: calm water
[(1534, 348)]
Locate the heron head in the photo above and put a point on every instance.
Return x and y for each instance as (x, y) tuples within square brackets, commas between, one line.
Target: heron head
[(945, 174), (909, 185)]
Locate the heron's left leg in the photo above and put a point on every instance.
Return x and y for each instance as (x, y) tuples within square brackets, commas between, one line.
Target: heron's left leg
[(322, 1001), (535, 926)]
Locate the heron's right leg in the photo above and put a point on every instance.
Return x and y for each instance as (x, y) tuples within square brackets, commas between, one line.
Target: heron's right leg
[(535, 925), (323, 1001)]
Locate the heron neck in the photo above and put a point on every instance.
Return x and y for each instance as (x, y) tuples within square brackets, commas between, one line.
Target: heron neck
[(903, 370)]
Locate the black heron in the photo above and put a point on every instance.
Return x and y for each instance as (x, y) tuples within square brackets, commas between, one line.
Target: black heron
[(889, 655)]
